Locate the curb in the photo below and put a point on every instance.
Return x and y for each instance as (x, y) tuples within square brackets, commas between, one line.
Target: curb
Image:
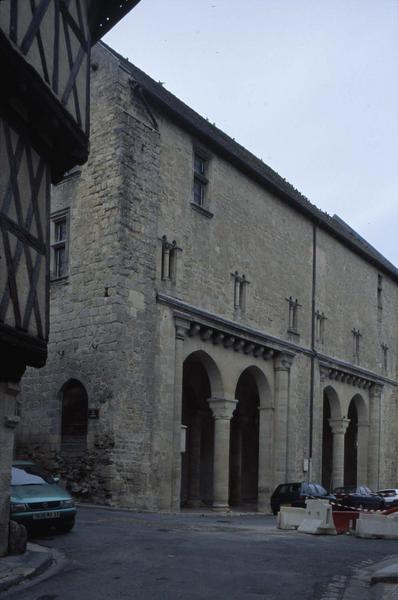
[(36, 561), (386, 575)]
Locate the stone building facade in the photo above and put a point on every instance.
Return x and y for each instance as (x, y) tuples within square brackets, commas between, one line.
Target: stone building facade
[(213, 333)]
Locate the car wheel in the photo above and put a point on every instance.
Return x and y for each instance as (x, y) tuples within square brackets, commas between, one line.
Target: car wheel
[(66, 526)]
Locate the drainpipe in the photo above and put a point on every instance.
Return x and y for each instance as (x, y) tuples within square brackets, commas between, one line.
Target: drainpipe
[(313, 353)]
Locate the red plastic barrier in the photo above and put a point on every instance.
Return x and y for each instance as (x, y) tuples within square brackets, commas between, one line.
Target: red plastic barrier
[(390, 511), (345, 520)]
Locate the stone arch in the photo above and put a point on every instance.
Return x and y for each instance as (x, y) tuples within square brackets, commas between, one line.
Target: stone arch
[(212, 370), (74, 417), (263, 387), (331, 410), (252, 393), (330, 394), (356, 441), (201, 381)]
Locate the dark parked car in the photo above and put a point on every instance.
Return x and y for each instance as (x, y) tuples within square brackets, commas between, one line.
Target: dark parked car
[(295, 494), (36, 499), (358, 496)]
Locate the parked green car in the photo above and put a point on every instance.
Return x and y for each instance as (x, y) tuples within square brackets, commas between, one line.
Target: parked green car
[(37, 500)]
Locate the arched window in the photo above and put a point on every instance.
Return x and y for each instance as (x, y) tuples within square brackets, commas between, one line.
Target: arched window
[(74, 417)]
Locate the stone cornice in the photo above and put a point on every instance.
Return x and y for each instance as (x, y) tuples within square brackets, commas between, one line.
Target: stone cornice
[(337, 370), (230, 334), (258, 343)]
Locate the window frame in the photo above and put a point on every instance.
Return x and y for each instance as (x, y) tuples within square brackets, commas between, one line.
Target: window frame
[(55, 219), (201, 177), (204, 178)]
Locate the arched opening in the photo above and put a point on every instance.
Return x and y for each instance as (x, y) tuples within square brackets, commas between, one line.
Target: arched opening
[(331, 410), (74, 417), (199, 377), (244, 449), (351, 446)]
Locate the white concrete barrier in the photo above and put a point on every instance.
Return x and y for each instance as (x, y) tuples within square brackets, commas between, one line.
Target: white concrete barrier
[(318, 519), (290, 517), (377, 526)]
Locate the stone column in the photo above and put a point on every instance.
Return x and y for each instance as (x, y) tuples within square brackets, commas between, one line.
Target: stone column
[(362, 452), (181, 327), (222, 410), (265, 458), (375, 394), (282, 364), (236, 463), (8, 421), (338, 427), (195, 435)]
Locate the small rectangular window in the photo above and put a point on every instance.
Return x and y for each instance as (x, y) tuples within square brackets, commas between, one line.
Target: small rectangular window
[(380, 292), (356, 340), (200, 180), (293, 314), (320, 320), (198, 191), (200, 165), (240, 285), (384, 349), (59, 246)]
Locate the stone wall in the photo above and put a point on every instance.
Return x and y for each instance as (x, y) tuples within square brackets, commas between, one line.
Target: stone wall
[(102, 313), (109, 332)]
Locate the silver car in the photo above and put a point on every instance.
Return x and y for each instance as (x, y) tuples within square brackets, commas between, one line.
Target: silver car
[(390, 497)]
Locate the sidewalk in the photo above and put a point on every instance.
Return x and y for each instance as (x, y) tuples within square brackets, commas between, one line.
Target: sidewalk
[(22, 567), (384, 581)]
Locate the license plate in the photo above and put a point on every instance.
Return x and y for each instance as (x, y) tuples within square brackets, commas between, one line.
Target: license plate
[(286, 504), (51, 514)]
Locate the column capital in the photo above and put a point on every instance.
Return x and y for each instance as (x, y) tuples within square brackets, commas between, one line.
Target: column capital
[(339, 426), (283, 361), (222, 408), (181, 326)]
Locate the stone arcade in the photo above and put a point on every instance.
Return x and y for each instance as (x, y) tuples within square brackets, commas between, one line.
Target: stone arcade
[(213, 333)]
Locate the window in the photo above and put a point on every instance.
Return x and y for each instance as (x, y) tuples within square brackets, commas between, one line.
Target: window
[(293, 314), (200, 180), (356, 337), (384, 349), (59, 245), (169, 260), (380, 292), (240, 284), (320, 327)]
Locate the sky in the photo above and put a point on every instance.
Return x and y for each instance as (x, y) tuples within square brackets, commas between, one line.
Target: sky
[(309, 86)]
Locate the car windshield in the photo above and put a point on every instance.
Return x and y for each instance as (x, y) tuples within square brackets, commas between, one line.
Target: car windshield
[(347, 489), (29, 475)]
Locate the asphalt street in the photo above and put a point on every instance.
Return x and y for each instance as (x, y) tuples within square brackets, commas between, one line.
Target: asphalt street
[(114, 554)]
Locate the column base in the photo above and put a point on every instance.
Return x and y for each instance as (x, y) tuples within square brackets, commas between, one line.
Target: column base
[(218, 506)]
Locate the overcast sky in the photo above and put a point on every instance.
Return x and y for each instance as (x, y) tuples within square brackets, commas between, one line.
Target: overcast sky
[(309, 86)]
